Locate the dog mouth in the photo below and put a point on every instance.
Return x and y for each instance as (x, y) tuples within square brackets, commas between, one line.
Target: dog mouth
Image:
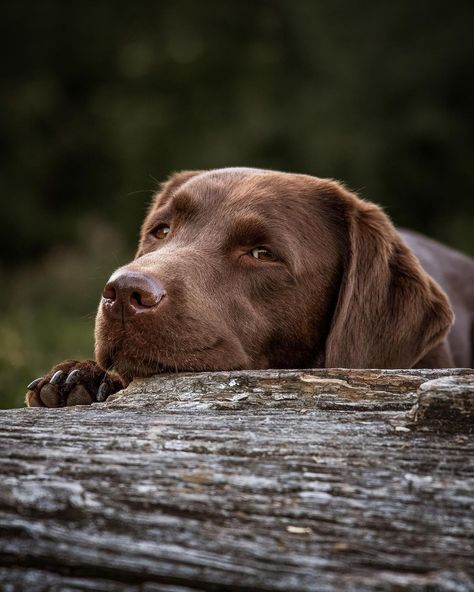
[(142, 363)]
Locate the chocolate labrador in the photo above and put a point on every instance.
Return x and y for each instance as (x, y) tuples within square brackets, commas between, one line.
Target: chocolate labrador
[(243, 268)]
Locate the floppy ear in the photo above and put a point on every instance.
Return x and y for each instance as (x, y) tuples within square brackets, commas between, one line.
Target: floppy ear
[(390, 312), (175, 180)]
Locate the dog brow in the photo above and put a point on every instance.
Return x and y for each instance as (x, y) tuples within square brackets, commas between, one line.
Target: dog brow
[(184, 202), (249, 229)]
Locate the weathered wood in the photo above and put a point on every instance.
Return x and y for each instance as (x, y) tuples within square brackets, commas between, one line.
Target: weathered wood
[(276, 480), (446, 404)]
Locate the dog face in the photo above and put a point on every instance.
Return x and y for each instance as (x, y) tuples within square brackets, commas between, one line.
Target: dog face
[(244, 268)]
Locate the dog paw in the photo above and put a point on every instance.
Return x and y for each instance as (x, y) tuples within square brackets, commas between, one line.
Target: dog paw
[(73, 383)]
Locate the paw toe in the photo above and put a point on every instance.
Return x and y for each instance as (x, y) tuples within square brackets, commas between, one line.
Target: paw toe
[(50, 396), (32, 399), (79, 396)]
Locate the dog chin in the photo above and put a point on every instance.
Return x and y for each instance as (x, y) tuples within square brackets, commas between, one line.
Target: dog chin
[(131, 365), (130, 368)]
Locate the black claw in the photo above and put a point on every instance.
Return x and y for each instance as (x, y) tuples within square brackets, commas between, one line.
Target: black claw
[(34, 384), (73, 377), (56, 377), (103, 392)]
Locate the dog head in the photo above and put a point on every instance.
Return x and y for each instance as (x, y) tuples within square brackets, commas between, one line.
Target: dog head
[(246, 268)]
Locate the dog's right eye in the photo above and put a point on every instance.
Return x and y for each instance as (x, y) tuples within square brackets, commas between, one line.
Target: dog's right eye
[(161, 231)]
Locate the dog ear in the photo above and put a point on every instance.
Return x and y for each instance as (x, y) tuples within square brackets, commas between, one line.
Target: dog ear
[(175, 180), (389, 312)]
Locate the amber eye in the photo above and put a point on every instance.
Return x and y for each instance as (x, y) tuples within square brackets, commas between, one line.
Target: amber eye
[(263, 254), (161, 231)]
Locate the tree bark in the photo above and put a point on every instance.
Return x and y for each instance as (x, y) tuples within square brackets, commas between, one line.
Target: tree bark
[(271, 480)]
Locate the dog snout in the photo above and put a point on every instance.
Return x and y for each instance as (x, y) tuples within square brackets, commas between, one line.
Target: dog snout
[(128, 293)]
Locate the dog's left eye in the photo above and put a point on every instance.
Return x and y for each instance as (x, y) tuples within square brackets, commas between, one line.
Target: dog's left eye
[(161, 231), (263, 254)]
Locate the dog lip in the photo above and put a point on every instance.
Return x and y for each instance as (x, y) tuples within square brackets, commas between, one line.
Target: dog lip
[(158, 365)]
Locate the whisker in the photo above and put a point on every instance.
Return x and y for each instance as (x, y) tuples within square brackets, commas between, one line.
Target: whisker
[(154, 179), (141, 191)]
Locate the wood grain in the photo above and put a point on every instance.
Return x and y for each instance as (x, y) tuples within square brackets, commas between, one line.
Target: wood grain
[(272, 480)]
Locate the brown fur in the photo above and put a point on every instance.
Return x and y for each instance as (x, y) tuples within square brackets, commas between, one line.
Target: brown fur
[(345, 290)]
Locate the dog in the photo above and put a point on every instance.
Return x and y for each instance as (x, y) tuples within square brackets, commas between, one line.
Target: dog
[(242, 268)]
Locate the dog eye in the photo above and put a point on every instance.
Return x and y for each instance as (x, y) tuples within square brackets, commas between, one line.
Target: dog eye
[(263, 254), (161, 231)]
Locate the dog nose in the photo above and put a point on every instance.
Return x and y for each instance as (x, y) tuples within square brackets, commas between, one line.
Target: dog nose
[(128, 293)]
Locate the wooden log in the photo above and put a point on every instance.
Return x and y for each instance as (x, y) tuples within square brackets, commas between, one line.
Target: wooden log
[(272, 480)]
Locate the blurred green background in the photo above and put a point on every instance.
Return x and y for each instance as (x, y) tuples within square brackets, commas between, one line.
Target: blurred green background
[(100, 99)]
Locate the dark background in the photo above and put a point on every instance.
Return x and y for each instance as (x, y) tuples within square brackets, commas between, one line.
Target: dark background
[(102, 99)]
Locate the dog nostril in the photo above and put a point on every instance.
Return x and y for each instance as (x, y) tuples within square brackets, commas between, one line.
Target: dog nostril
[(136, 299), (144, 299), (109, 293)]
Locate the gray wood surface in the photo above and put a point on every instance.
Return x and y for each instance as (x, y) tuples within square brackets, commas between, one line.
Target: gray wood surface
[(293, 480)]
